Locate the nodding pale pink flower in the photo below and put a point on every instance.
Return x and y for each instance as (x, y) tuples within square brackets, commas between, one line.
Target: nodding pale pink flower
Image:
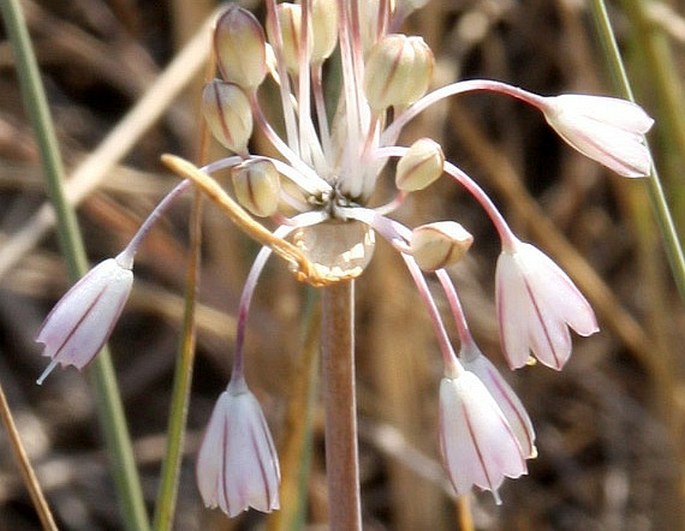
[(237, 466), (477, 443), (536, 304), (80, 324), (608, 130), (510, 404)]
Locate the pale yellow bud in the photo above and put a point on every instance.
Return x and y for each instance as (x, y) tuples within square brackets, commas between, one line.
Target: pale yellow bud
[(228, 114), (290, 18), (257, 186), (368, 21), (325, 29), (240, 47), (398, 71), (439, 244), (421, 166)]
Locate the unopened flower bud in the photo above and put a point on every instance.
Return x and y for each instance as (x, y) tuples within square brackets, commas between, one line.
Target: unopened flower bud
[(368, 19), (228, 114), (325, 28), (239, 46), (290, 20), (439, 244), (257, 186), (398, 70), (421, 166)]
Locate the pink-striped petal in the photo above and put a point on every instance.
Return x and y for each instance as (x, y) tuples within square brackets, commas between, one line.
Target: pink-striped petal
[(536, 304), (81, 322), (237, 466), (476, 441)]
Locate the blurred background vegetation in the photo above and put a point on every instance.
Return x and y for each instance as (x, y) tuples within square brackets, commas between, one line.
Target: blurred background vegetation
[(610, 426)]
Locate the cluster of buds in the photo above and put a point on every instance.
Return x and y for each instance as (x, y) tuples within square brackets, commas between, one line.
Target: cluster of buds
[(318, 189)]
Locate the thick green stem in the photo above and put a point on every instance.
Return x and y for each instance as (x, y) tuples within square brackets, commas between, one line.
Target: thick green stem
[(342, 461), (108, 397), (657, 197)]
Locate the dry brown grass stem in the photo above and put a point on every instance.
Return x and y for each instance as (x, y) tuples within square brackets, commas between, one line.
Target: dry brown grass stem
[(30, 479), (465, 516), (89, 174)]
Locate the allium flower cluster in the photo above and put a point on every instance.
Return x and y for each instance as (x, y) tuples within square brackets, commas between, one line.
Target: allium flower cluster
[(318, 191)]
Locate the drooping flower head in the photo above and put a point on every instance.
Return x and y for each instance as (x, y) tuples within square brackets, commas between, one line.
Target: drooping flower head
[(474, 361), (80, 324), (478, 445), (317, 183), (237, 466), (329, 161), (536, 304), (608, 130)]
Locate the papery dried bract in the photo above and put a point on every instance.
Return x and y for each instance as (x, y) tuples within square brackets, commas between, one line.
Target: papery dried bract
[(237, 466), (536, 304), (81, 322), (477, 444), (608, 130), (510, 404)]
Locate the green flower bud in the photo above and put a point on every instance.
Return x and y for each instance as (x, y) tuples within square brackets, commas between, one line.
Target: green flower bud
[(398, 71), (439, 244), (240, 48), (257, 186), (420, 166), (228, 114)]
